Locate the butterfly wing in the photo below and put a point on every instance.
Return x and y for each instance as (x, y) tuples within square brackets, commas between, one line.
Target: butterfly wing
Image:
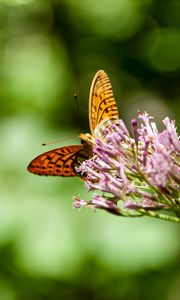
[(58, 162), (102, 104)]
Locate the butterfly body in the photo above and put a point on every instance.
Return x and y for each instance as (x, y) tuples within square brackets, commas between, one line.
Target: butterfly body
[(102, 111)]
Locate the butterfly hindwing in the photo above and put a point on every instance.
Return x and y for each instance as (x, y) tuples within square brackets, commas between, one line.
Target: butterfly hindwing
[(57, 162), (102, 104)]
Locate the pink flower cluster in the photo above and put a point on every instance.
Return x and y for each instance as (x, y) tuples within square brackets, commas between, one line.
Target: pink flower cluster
[(134, 174)]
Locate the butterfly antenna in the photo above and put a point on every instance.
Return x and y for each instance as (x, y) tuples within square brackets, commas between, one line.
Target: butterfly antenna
[(58, 141), (76, 99)]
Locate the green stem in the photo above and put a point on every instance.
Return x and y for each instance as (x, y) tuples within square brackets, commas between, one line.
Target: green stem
[(160, 216)]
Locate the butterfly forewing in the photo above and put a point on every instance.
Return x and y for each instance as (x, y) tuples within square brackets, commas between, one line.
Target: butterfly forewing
[(102, 104), (57, 162)]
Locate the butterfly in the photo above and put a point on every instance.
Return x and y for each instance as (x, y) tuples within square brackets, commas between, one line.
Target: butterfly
[(63, 161)]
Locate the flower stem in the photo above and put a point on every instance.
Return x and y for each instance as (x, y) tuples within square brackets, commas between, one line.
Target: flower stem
[(160, 216)]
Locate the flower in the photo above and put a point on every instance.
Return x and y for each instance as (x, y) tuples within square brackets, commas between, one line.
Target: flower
[(137, 175)]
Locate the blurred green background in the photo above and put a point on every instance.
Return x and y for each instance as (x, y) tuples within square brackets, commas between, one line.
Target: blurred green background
[(49, 50)]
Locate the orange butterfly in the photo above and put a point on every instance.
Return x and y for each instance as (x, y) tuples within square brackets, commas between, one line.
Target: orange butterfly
[(63, 161)]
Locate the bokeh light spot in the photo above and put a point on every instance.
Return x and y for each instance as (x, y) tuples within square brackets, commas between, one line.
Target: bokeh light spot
[(163, 49), (115, 18)]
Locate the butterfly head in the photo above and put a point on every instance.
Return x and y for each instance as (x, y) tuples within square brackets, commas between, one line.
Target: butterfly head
[(87, 138)]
